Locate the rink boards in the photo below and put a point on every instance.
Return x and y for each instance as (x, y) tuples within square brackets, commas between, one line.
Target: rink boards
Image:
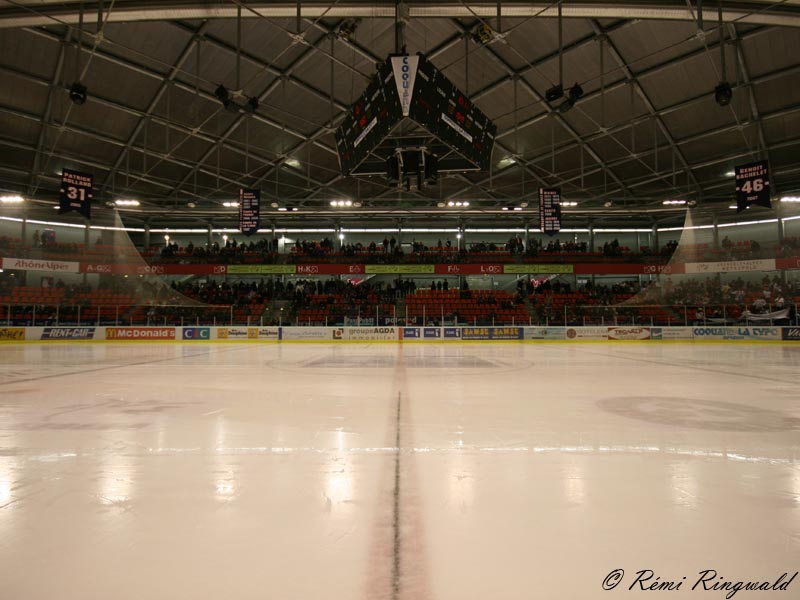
[(397, 334)]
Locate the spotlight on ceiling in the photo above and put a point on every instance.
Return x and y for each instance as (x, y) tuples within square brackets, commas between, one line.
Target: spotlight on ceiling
[(126, 202), (554, 93), (191, 204), (347, 29), (230, 204), (78, 93), (251, 105), (691, 203), (723, 93), (575, 92), (12, 199), (608, 204), (222, 94), (568, 203)]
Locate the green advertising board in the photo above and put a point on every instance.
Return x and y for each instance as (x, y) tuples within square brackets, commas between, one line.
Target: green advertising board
[(537, 269), (261, 269), (399, 269)]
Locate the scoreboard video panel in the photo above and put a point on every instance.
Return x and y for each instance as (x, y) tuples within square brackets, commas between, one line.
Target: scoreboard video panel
[(370, 120), (435, 104), (447, 113)]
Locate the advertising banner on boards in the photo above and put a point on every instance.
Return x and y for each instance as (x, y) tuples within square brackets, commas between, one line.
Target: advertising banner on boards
[(12, 334), (737, 333), (370, 334), (491, 333), (544, 333), (629, 333), (587, 333), (307, 333), (140, 334), (67, 333)]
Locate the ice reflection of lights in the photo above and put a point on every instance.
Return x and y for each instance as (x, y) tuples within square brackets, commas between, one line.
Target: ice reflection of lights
[(225, 484), (462, 481), (8, 468), (574, 484), (116, 484), (683, 484)]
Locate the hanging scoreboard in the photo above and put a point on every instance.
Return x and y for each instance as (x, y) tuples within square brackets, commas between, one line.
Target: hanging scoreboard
[(446, 112), (550, 210), (752, 185), (369, 121), (412, 87)]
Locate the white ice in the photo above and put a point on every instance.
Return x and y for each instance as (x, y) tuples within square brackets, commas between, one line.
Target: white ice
[(515, 471)]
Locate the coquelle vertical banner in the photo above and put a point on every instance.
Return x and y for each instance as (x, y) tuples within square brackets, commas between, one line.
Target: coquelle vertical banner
[(550, 210), (752, 185), (249, 211), (76, 192)]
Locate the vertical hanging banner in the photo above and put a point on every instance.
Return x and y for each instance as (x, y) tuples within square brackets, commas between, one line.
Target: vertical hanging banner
[(249, 210), (752, 185), (76, 192), (405, 74), (550, 210)]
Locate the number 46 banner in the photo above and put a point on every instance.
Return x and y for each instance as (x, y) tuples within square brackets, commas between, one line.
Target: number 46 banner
[(752, 185), (76, 192)]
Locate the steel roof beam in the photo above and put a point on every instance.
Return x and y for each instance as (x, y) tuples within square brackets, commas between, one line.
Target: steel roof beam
[(240, 118), (48, 111), (48, 13), (632, 78), (80, 160), (166, 82), (664, 111), (118, 142), (159, 76), (537, 97)]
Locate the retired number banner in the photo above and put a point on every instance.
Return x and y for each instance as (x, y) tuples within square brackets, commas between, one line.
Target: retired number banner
[(249, 211), (76, 192), (752, 185), (550, 210)]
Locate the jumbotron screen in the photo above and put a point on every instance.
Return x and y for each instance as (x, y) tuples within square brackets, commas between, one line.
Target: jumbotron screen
[(412, 87)]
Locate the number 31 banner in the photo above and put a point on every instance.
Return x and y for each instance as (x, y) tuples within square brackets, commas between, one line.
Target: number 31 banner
[(752, 185), (76, 192)]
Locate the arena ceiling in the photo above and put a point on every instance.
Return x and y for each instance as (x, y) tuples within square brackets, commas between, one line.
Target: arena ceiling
[(647, 128)]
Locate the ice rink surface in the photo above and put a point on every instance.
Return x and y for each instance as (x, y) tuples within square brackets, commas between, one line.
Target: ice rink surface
[(372, 472)]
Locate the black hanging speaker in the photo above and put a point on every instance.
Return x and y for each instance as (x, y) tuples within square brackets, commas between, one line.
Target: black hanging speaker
[(78, 93), (723, 93)]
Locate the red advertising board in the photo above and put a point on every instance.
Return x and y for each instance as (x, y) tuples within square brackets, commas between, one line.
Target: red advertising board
[(138, 269), (330, 269), (787, 263)]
